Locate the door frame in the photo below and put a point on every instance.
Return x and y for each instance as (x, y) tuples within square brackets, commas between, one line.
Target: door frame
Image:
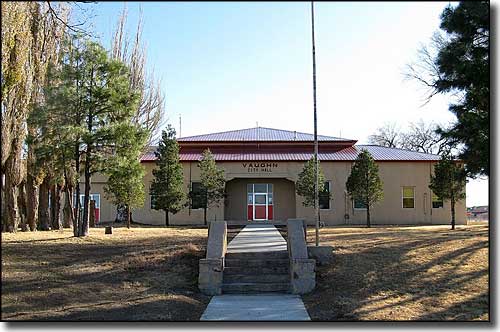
[(266, 204)]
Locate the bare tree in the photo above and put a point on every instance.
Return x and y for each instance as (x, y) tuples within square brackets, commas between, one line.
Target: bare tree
[(31, 36), (151, 109), (424, 137), (419, 136), (389, 135), (424, 69)]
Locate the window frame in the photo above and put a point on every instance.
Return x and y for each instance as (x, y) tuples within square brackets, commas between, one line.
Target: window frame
[(191, 203), (403, 197), (329, 198), (355, 208)]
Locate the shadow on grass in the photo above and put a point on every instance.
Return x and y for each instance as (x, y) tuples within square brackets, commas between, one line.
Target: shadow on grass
[(380, 275), (134, 279)]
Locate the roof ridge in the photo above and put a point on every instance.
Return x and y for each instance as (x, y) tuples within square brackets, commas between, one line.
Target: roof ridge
[(328, 137), (299, 132), (218, 132)]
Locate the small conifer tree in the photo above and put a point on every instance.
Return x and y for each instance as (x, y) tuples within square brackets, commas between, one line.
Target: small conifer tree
[(448, 182), (166, 190), (213, 182), (305, 184), (364, 183)]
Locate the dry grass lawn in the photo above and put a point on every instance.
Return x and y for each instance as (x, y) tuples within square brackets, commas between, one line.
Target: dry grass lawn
[(144, 273), (402, 273), (148, 273)]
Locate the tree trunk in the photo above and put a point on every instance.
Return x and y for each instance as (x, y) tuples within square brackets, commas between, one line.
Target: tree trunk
[(205, 216), (452, 214), (121, 213), (21, 203), (92, 213), (11, 222), (52, 209), (13, 176), (55, 207), (43, 205), (67, 213), (77, 217), (31, 201), (368, 224), (31, 185), (128, 216), (84, 230), (2, 202), (167, 223)]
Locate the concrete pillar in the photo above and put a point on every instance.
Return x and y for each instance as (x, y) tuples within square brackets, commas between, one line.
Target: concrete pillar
[(211, 268), (302, 273)]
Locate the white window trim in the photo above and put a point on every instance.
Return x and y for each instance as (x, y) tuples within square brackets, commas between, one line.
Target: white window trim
[(403, 197), (330, 199)]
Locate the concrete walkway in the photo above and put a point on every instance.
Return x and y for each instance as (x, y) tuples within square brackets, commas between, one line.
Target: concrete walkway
[(258, 307), (282, 307), (257, 238)]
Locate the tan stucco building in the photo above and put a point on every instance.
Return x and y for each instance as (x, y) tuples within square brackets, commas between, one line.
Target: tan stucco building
[(261, 166)]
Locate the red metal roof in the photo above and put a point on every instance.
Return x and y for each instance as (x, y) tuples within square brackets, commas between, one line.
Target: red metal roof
[(258, 134), (379, 153)]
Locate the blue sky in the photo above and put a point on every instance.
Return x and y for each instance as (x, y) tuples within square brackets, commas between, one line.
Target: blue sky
[(228, 66)]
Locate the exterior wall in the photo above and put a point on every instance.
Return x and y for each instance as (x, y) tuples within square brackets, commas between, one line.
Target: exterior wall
[(283, 198), (394, 176)]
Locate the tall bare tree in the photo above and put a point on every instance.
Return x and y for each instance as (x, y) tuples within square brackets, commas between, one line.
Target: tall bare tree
[(48, 29), (31, 37), (151, 109), (16, 86)]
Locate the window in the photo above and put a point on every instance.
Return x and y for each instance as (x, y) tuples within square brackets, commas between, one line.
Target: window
[(408, 197), (153, 201), (324, 197), (436, 202), (197, 196), (359, 204)]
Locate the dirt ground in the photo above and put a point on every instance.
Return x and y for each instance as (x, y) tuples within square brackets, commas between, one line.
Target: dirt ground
[(144, 273), (402, 273)]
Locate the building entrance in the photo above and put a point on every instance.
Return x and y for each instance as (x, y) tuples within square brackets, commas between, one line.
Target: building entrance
[(260, 201)]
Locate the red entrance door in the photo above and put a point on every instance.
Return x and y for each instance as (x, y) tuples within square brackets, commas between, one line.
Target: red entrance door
[(260, 207), (260, 201)]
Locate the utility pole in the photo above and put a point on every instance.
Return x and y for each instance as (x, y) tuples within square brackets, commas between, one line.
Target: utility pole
[(180, 126), (316, 163)]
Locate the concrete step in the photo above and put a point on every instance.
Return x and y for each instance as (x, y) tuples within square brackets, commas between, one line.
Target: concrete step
[(252, 288), (256, 278), (282, 254), (256, 270), (232, 262)]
